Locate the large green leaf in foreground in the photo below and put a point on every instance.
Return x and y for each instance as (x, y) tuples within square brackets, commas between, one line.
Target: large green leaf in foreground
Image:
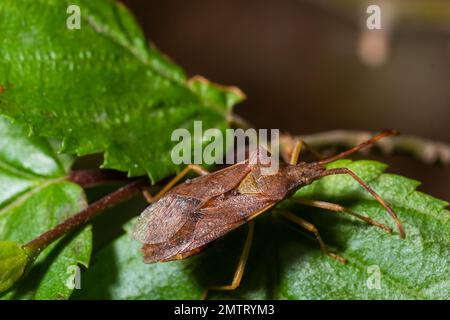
[(286, 263), (34, 197), (100, 88)]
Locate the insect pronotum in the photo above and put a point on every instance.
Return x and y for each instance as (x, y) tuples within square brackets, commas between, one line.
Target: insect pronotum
[(182, 220)]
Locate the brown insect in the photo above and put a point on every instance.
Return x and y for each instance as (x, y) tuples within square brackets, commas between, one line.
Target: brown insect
[(181, 221)]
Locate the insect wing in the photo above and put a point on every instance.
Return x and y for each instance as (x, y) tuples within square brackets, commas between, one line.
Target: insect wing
[(163, 219), (213, 184), (221, 216), (173, 248)]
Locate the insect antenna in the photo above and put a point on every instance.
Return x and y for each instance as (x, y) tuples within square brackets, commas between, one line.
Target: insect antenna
[(371, 191), (384, 133)]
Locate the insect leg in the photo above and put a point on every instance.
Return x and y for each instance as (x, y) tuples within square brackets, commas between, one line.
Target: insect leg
[(338, 208), (385, 133), (241, 264), (312, 228), (371, 191), (192, 167), (314, 151), (294, 155)]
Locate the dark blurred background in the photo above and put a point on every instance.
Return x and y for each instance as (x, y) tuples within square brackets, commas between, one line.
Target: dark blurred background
[(311, 65)]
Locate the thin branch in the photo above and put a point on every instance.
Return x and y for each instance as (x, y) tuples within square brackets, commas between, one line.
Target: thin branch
[(81, 218), (426, 150), (92, 178)]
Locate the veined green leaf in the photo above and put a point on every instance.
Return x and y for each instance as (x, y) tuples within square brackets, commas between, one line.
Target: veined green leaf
[(34, 197), (100, 88)]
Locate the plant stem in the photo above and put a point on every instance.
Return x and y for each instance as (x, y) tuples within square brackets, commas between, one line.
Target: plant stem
[(92, 178), (426, 150), (40, 243)]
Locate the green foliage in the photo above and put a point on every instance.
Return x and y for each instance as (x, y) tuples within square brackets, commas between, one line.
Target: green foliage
[(35, 196), (13, 261), (127, 277), (100, 88), (286, 262), (415, 268)]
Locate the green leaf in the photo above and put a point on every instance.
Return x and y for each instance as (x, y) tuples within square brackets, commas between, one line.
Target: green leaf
[(416, 268), (13, 261), (129, 278), (286, 263), (34, 197), (100, 88)]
